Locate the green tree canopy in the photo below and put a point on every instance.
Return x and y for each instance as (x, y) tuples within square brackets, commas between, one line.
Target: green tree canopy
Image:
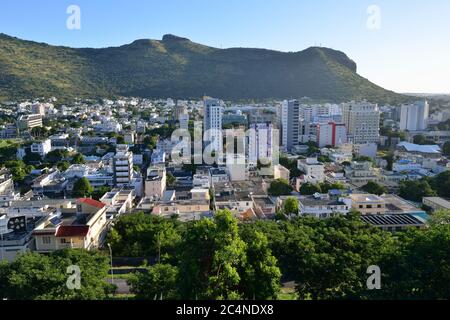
[(280, 187), (374, 188), (82, 188)]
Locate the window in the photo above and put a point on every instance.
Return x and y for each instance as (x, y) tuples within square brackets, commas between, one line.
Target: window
[(46, 240), (64, 241)]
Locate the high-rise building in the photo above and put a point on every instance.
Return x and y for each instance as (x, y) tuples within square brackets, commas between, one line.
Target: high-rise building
[(212, 122), (290, 123), (331, 134), (362, 121), (260, 142), (123, 166), (414, 117)]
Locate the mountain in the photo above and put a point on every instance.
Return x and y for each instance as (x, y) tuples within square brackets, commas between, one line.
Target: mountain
[(179, 68)]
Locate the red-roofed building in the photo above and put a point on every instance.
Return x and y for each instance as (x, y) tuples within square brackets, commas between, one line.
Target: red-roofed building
[(81, 226)]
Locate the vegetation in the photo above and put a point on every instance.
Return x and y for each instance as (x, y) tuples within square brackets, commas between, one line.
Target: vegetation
[(179, 67), (374, 188), (82, 188), (44, 277), (280, 187)]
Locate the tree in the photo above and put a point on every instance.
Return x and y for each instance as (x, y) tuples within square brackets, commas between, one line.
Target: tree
[(141, 235), (32, 276), (326, 186), (212, 254), (309, 189), (446, 149), (78, 159), (416, 190), (280, 187), (100, 192), (374, 188), (291, 206), (261, 275), (18, 170), (171, 180), (63, 166), (159, 281), (82, 188), (441, 183)]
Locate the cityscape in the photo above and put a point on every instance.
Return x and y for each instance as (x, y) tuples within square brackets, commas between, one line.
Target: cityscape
[(176, 188)]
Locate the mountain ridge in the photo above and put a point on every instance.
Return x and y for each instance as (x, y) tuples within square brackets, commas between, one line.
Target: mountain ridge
[(179, 68)]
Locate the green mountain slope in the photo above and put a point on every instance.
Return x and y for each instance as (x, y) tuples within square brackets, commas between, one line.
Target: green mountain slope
[(176, 67)]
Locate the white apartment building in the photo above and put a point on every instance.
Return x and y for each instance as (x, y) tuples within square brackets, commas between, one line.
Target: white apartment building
[(413, 117), (362, 121), (212, 123), (42, 147), (260, 142), (123, 166), (331, 134), (313, 169)]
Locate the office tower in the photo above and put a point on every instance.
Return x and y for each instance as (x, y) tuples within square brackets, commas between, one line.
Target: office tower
[(362, 121), (414, 117), (212, 123)]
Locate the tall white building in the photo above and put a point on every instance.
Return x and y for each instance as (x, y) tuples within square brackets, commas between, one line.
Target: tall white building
[(331, 134), (260, 142), (212, 123), (362, 121), (290, 120), (123, 166), (414, 117)]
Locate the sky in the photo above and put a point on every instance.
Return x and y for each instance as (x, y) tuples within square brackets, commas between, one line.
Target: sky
[(401, 45)]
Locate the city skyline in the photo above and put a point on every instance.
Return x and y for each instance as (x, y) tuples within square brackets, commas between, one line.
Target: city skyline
[(400, 46)]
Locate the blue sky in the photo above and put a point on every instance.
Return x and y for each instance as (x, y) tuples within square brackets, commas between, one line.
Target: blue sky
[(409, 53)]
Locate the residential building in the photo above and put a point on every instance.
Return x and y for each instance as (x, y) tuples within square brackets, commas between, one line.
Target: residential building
[(331, 134), (155, 183), (360, 173), (123, 166), (313, 169), (290, 124), (212, 124), (260, 143), (362, 121), (81, 227), (324, 206), (414, 116), (368, 204), (42, 147), (30, 121)]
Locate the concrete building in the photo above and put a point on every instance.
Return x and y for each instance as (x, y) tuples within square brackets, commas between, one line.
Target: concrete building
[(123, 166), (360, 173), (362, 121), (260, 143), (212, 124), (155, 183), (324, 206), (414, 116), (331, 134), (30, 121), (81, 227), (42, 147), (436, 203), (290, 124), (313, 169)]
